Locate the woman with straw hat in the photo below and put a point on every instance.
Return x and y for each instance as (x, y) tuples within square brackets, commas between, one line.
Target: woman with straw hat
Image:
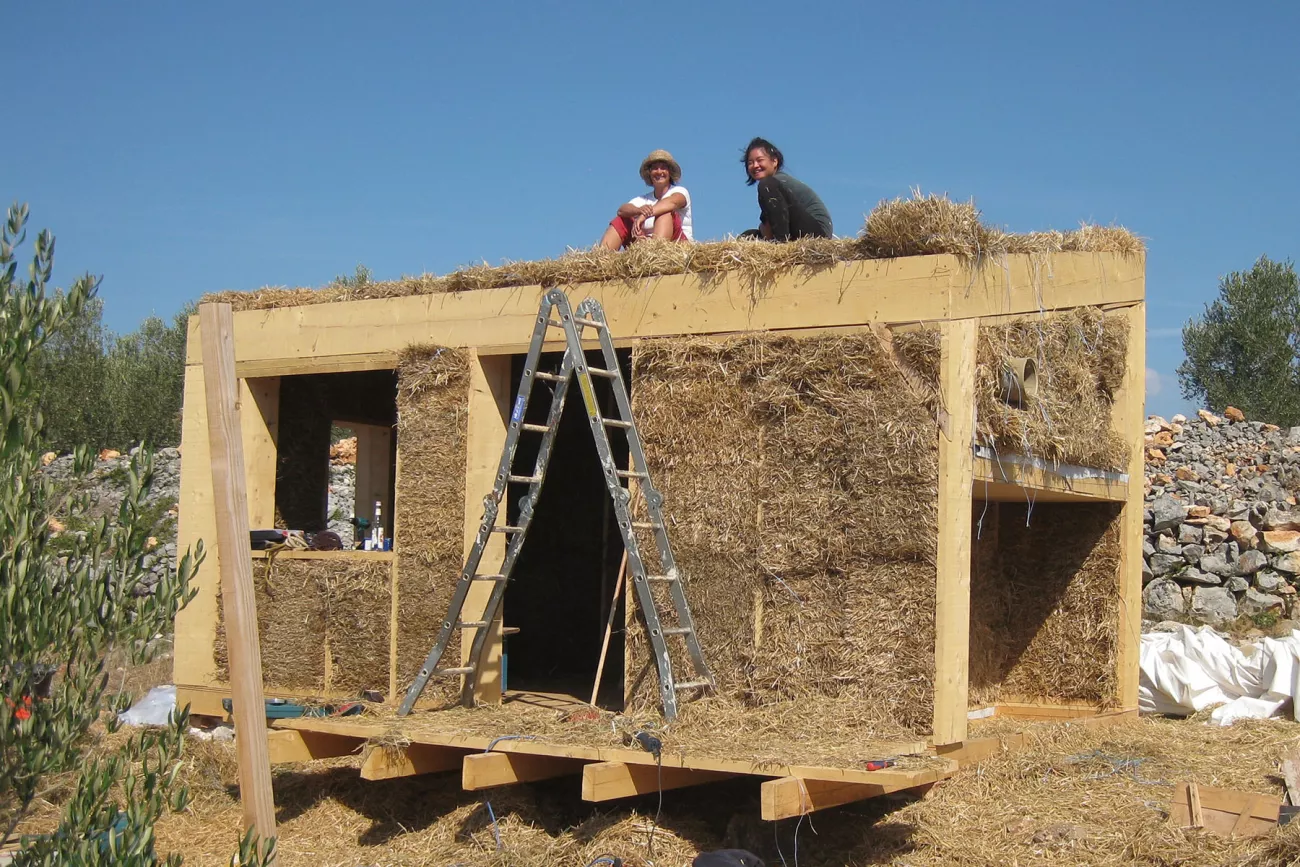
[(663, 213)]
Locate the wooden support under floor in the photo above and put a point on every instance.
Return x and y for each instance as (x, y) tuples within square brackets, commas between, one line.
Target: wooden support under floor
[(291, 746), (608, 781), (488, 770), (410, 761), (794, 796)]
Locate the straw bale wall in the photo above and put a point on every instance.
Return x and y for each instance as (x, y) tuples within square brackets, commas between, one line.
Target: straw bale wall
[(800, 483), (1045, 602), (304, 604), (432, 397)]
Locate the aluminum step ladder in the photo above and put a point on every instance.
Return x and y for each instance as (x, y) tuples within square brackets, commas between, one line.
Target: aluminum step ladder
[(590, 315)]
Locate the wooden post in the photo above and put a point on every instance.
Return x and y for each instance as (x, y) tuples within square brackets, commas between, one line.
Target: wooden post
[(1128, 414), (237, 599), (956, 475)]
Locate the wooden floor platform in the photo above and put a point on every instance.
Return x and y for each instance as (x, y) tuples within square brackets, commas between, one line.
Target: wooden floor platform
[(392, 749)]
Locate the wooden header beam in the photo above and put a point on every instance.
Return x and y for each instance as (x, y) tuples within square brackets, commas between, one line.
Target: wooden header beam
[(356, 335)]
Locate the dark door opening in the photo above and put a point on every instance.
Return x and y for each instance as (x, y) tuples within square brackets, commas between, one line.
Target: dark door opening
[(563, 583)]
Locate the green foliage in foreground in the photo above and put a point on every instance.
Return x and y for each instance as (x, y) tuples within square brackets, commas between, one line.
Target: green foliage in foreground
[(64, 611)]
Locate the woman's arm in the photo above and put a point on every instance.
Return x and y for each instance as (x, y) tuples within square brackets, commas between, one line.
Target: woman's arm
[(668, 204)]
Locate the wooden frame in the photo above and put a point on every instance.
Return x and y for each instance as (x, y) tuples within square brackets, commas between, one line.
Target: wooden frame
[(493, 324)]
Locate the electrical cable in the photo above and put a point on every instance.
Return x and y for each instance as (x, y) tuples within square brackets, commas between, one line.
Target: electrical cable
[(496, 829)]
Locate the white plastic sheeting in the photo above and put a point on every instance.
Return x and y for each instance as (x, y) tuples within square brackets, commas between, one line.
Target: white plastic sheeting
[(1194, 669), (153, 709)]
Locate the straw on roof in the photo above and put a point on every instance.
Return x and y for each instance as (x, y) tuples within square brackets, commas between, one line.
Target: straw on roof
[(917, 226)]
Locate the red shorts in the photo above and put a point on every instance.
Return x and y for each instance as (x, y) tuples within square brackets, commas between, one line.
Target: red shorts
[(623, 225)]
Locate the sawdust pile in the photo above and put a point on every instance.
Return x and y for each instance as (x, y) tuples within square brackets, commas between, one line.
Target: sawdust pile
[(432, 400), (917, 226), (799, 480)]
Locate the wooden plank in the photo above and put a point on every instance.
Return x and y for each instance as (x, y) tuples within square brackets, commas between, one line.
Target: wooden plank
[(911, 289), (608, 781), (485, 436), (349, 556), (478, 743), (1225, 812), (284, 746), (487, 770), (956, 467), (373, 470), (238, 602), (788, 797), (1006, 481), (414, 759), (1128, 415), (1291, 776), (196, 623), (259, 420)]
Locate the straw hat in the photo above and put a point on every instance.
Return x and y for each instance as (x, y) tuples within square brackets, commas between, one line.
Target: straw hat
[(661, 156)]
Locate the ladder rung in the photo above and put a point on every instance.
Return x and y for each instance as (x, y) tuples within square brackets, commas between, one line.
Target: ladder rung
[(588, 323), (507, 529), (613, 422), (600, 371), (692, 684), (554, 324), (452, 672), (471, 624), (629, 474), (661, 578), (536, 428), (549, 377), (645, 525), (488, 578), (528, 479), (677, 630)]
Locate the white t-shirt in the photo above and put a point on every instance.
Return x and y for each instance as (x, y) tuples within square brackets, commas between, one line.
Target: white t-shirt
[(649, 199)]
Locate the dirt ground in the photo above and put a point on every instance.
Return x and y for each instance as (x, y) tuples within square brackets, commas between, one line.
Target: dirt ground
[(1072, 796)]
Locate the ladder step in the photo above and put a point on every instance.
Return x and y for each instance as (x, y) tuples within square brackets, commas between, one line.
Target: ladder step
[(505, 529), (528, 479), (452, 672), (471, 624), (589, 323), (487, 578), (536, 428), (600, 371), (645, 525), (629, 474), (554, 324), (692, 684), (661, 578), (677, 630), (613, 422), (549, 377)]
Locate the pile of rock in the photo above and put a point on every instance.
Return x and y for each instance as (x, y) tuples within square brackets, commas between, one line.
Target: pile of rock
[(1222, 532)]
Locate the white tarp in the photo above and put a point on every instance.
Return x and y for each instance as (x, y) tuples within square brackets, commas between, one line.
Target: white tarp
[(153, 709), (1193, 669)]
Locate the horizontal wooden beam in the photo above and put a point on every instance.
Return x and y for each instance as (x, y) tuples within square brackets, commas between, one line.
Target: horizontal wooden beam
[(293, 746), (357, 335), (1007, 480), (487, 770), (794, 796), (608, 781), (414, 759)]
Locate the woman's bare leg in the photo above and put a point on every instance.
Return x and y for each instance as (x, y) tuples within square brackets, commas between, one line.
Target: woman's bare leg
[(664, 227), (611, 239)]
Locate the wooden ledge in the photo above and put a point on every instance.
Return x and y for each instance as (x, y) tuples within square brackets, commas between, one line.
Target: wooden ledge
[(414, 759), (608, 781), (1015, 478), (346, 554)]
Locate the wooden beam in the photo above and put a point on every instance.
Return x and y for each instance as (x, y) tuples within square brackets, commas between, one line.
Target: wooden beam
[(608, 781), (414, 759), (285, 746), (956, 469), (259, 419), (486, 770), (196, 623), (1225, 812), (788, 797), (238, 602), (911, 289), (1006, 480), (1128, 415), (485, 436)]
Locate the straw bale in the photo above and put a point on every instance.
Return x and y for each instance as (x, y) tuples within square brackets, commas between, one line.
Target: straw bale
[(799, 479), (1081, 361), (432, 398), (302, 605), (1045, 602), (917, 226)]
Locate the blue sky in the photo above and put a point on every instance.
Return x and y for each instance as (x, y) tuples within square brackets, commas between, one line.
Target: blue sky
[(182, 148)]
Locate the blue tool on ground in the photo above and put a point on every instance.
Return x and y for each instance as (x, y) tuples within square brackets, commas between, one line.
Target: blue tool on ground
[(279, 708)]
